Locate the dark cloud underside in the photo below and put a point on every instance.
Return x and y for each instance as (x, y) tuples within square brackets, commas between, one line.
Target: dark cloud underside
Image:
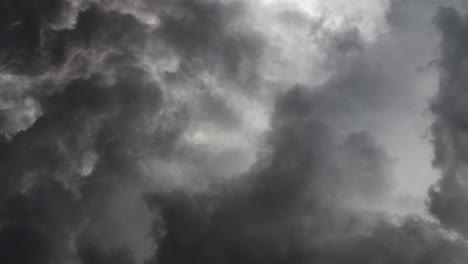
[(102, 111), (448, 198), (289, 208)]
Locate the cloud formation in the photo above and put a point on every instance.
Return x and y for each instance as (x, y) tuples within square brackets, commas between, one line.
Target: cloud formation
[(448, 196), (206, 131), (309, 200)]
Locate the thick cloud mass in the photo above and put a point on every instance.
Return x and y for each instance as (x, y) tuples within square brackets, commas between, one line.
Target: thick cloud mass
[(449, 198), (304, 202), (206, 131)]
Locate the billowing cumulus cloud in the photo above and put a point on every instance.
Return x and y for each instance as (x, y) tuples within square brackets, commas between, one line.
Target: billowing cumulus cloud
[(207, 131), (310, 199)]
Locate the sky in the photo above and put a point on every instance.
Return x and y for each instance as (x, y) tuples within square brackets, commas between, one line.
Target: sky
[(233, 131)]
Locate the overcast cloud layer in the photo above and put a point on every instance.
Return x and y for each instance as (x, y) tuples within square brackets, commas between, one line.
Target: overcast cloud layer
[(233, 131)]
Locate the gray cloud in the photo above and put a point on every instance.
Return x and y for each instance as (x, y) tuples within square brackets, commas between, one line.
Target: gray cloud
[(72, 170), (296, 205), (448, 197), (140, 131)]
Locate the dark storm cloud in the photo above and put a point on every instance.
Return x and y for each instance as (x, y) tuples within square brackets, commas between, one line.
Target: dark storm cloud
[(449, 198), (33, 42), (88, 118), (291, 207), (91, 255), (36, 228), (301, 200), (22, 24), (61, 176), (71, 179), (69, 175), (49, 44), (32, 70), (209, 34)]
